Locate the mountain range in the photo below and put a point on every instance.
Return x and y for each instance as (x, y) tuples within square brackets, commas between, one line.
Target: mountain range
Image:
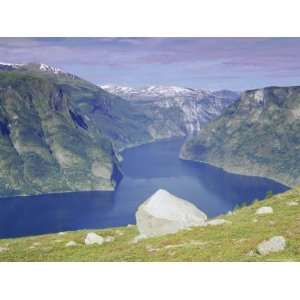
[(62, 133), (190, 109)]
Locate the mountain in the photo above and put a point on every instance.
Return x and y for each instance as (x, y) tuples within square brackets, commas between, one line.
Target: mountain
[(47, 145), (63, 133), (117, 119), (258, 135), (184, 110)]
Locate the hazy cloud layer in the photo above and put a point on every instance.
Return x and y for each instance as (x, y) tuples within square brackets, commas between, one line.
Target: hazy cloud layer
[(235, 63)]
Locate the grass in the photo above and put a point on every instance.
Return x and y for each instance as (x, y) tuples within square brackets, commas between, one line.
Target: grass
[(229, 242)]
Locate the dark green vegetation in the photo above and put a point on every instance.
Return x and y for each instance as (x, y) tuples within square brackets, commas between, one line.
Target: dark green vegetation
[(60, 132), (258, 135), (46, 144), (228, 242)]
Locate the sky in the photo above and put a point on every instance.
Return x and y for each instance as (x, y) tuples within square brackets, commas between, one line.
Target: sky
[(208, 63)]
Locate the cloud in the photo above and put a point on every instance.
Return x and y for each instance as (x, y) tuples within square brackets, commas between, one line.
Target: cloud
[(180, 59)]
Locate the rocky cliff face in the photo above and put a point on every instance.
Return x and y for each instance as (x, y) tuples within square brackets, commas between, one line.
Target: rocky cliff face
[(183, 111), (258, 135), (46, 144)]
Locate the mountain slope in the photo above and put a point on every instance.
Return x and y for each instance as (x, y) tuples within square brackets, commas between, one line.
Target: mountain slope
[(46, 145), (258, 135), (184, 110), (57, 130)]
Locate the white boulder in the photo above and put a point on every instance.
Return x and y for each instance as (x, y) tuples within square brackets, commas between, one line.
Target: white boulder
[(218, 222), (275, 244), (264, 210), (93, 238), (2, 249), (164, 213)]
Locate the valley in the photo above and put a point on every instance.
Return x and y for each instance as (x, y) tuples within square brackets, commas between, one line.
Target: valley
[(62, 133), (87, 157)]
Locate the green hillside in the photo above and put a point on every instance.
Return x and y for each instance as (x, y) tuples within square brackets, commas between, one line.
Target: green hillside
[(46, 144), (229, 242), (258, 135)]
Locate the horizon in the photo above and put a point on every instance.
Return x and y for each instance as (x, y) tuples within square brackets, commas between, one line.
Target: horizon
[(199, 63)]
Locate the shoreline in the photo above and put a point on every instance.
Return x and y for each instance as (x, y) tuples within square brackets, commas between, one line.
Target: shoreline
[(228, 170)]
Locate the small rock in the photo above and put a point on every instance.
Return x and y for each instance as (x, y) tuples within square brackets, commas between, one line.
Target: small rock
[(218, 222), (150, 248), (264, 210), (130, 225), (292, 203), (93, 238), (138, 238), (36, 244), (119, 232), (3, 249), (71, 244), (255, 221), (229, 213), (275, 244), (61, 233), (108, 239)]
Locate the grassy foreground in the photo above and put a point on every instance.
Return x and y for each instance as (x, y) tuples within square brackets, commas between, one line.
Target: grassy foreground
[(229, 242)]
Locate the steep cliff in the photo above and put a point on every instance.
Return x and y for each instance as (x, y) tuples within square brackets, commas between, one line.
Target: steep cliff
[(258, 135), (46, 144)]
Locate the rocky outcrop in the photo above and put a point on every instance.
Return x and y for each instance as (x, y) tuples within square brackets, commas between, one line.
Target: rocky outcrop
[(164, 213), (173, 110)]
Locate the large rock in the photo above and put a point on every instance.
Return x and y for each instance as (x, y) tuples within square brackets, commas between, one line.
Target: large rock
[(164, 213), (275, 244)]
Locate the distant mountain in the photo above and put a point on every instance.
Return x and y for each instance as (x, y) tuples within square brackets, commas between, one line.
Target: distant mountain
[(33, 67), (153, 93), (190, 109), (257, 135)]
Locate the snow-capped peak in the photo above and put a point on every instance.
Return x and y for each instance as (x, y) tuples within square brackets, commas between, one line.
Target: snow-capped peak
[(153, 91), (47, 68), (10, 65)]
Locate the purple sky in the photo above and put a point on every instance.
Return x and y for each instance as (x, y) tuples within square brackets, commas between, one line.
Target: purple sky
[(212, 63)]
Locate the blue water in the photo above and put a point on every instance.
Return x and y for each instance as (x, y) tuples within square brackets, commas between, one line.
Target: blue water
[(146, 169)]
